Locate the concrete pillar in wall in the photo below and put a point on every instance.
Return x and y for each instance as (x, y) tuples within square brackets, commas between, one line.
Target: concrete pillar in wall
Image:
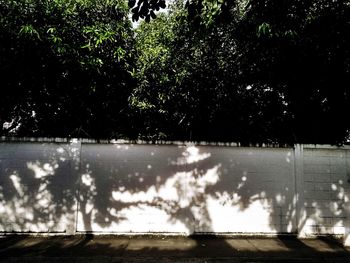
[(299, 189), (346, 240), (75, 152)]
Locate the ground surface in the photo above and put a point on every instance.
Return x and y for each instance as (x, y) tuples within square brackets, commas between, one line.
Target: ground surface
[(90, 249)]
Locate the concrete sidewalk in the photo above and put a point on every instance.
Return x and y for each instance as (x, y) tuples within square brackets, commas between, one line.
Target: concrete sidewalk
[(88, 248)]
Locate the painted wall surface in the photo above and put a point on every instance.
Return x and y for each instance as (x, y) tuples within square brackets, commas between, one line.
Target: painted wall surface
[(37, 187), (122, 188), (145, 188), (325, 191)]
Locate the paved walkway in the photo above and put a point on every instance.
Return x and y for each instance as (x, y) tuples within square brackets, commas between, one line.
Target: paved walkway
[(103, 249)]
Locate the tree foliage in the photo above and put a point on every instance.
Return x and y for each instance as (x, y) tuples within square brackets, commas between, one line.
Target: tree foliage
[(145, 9), (269, 71), (252, 71), (301, 49), (66, 67)]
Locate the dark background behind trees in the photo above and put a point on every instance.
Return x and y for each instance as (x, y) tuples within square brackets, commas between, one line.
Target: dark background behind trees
[(272, 71)]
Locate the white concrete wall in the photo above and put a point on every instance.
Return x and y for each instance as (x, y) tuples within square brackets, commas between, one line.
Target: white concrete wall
[(143, 188), (122, 188), (325, 182), (37, 187)]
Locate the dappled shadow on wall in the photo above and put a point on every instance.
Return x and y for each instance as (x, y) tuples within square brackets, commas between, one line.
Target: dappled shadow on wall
[(37, 187), (176, 189), (196, 190)]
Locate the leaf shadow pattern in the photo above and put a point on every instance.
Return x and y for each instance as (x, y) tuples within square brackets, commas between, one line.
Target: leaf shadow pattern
[(204, 190), (37, 187), (170, 189)]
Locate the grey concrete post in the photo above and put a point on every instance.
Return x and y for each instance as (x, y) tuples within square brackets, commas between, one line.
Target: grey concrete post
[(346, 240), (75, 153), (299, 189)]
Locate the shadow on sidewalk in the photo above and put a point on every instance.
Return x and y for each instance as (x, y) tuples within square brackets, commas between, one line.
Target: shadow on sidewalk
[(286, 248)]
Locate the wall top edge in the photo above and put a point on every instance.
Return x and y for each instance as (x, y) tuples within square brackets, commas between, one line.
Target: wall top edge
[(161, 142)]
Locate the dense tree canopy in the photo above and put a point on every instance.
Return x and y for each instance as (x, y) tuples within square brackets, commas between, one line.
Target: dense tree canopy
[(274, 71), (268, 71), (66, 67)]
